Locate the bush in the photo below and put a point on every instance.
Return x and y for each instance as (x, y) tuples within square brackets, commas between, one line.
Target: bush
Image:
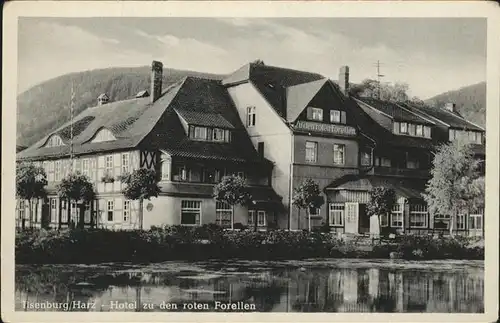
[(212, 242)]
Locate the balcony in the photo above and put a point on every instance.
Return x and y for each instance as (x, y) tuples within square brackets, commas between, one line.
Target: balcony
[(400, 172)]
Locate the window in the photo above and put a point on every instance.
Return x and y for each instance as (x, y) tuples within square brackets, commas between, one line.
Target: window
[(260, 148), (311, 151), (250, 116), (103, 135), (126, 211), (86, 214), (223, 214), (73, 212), (397, 216), (200, 133), (111, 209), (366, 158), (190, 212), (241, 174), (314, 211), (396, 127), (125, 163), (461, 222), (316, 114), (403, 127), (165, 170), (411, 129), (218, 134), (420, 130), (441, 221), (336, 214), (338, 154), (181, 173), (412, 163), (479, 138), (109, 165), (427, 132), (53, 210), (452, 134), (476, 221), (335, 116), (64, 211), (57, 171), (261, 218), (86, 167), (384, 220), (22, 209), (54, 141), (418, 216)]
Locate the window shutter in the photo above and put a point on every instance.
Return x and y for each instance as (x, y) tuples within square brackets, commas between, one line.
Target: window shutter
[(343, 117), (309, 113)]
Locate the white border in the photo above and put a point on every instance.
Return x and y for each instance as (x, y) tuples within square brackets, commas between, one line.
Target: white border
[(12, 10)]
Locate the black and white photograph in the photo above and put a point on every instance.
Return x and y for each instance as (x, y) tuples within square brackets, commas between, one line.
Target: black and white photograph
[(201, 164)]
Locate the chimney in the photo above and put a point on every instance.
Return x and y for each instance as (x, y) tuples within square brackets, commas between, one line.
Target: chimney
[(156, 79), (344, 79), (450, 106)]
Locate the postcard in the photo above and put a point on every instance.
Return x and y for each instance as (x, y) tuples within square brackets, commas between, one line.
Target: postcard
[(250, 161)]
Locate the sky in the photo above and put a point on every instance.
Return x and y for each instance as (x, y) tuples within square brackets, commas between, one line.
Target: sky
[(431, 55)]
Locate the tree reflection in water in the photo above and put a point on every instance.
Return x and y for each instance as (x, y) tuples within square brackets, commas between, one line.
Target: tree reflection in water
[(279, 288)]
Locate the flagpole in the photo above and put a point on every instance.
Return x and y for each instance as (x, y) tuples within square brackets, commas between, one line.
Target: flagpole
[(71, 127)]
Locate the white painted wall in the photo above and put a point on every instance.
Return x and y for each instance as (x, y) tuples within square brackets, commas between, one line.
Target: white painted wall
[(270, 129)]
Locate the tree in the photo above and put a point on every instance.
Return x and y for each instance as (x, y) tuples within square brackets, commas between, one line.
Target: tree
[(30, 185), (382, 200), (233, 190), (141, 184), (78, 188), (456, 185), (394, 92), (308, 196)]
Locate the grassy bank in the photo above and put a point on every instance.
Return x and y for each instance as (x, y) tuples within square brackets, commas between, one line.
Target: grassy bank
[(210, 242)]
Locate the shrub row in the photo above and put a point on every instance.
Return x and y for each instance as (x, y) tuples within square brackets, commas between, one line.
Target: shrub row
[(210, 242)]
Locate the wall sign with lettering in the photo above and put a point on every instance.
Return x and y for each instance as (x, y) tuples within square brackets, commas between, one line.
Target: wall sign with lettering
[(325, 128)]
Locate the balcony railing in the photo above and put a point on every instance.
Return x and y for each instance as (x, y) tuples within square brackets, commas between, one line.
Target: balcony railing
[(402, 172)]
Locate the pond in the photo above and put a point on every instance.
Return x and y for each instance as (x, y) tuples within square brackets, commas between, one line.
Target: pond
[(315, 285)]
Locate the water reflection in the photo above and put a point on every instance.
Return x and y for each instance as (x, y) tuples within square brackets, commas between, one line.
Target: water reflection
[(268, 288)]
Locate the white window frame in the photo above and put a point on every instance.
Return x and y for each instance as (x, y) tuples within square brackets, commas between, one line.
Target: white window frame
[(218, 135), (86, 167), (251, 116), (311, 158), (87, 214), (427, 132), (335, 116), (338, 148), (396, 127), (103, 135), (64, 211), (22, 209), (125, 163), (452, 135), (53, 210), (403, 125), (251, 215), (316, 114), (473, 222), (479, 138), (108, 165), (57, 171), (191, 206), (54, 141), (397, 216), (165, 169), (261, 218), (110, 207), (200, 133), (336, 209), (126, 211), (412, 164), (419, 210), (222, 211), (463, 218), (366, 156), (421, 132)]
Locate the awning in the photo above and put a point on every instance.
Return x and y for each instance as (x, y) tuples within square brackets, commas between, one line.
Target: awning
[(265, 198), (407, 188)]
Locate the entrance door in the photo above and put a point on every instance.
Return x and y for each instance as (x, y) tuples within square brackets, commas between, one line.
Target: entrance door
[(351, 217)]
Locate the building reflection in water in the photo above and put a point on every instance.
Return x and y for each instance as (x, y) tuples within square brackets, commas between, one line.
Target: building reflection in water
[(279, 290)]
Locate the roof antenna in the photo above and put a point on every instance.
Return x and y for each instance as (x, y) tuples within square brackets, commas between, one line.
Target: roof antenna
[(378, 79)]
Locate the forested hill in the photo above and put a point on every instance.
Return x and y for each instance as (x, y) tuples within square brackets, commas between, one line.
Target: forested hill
[(470, 102), (45, 107)]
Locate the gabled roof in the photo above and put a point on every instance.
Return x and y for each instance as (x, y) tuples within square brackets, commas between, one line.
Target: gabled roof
[(448, 117), (205, 119), (103, 95), (381, 135), (142, 94), (394, 110), (137, 122), (271, 82), (298, 96)]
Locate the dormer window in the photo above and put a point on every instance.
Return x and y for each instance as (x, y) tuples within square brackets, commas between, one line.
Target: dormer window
[(403, 127), (209, 134), (103, 135), (54, 141), (337, 116), (315, 114), (415, 130)]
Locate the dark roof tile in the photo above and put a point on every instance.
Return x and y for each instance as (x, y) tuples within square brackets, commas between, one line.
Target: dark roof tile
[(394, 110)]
